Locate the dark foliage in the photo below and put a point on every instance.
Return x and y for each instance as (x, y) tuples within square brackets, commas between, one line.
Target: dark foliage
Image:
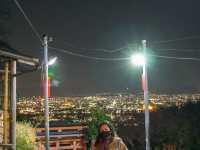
[(174, 126)]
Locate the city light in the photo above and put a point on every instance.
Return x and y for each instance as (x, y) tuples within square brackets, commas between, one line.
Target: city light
[(30, 106), (150, 107)]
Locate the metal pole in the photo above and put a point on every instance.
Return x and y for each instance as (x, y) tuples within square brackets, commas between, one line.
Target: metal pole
[(46, 92), (146, 99), (13, 103), (5, 107)]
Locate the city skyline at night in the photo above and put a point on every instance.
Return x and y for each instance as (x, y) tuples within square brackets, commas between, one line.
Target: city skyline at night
[(115, 105)]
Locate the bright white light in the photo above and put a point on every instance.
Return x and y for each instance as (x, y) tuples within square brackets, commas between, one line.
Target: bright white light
[(52, 61), (138, 59)]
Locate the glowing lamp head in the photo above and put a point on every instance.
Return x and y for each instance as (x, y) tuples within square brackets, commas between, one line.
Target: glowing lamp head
[(52, 61), (138, 59)]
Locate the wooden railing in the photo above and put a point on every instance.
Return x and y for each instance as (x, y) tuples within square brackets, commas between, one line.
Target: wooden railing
[(62, 138)]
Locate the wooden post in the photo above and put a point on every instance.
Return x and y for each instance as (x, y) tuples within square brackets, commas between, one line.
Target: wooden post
[(13, 103), (5, 107)]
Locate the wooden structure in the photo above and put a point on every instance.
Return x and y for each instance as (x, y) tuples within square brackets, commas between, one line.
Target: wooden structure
[(63, 136), (12, 64), (1, 127)]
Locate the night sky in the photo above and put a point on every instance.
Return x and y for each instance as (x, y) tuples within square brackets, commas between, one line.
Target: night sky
[(83, 26)]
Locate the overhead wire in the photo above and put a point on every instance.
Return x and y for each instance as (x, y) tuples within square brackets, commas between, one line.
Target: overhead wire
[(106, 50), (177, 49), (72, 46), (125, 47), (88, 57), (177, 39), (175, 58), (122, 58), (28, 20), (64, 50), (96, 49)]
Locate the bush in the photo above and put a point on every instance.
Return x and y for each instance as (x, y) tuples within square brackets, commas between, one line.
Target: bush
[(25, 137)]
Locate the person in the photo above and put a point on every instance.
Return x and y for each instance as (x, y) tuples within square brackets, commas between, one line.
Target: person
[(106, 139)]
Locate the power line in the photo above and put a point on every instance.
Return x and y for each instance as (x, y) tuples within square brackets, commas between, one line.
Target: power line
[(178, 39), (89, 57), (106, 50), (176, 58), (102, 50), (177, 49), (96, 49), (122, 58), (28, 20), (155, 42)]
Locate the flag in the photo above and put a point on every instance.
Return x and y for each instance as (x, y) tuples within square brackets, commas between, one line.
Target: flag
[(43, 86), (144, 84)]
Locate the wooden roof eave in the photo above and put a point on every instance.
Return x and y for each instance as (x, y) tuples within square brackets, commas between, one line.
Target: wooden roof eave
[(20, 58)]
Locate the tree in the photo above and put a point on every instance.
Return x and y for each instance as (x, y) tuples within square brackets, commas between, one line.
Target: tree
[(96, 117), (25, 137), (177, 126)]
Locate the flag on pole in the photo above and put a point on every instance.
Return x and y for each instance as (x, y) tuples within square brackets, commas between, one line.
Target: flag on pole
[(144, 84), (49, 86), (43, 86)]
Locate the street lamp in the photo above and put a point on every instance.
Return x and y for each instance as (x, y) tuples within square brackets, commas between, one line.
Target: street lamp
[(140, 60), (46, 39), (45, 84), (52, 61)]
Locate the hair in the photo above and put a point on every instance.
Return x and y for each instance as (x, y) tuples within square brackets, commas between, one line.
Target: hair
[(98, 132)]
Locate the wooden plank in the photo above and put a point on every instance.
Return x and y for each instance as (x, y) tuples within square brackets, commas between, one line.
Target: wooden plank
[(63, 128)]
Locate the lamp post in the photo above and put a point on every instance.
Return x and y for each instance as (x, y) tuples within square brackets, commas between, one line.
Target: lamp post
[(139, 60), (46, 101)]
